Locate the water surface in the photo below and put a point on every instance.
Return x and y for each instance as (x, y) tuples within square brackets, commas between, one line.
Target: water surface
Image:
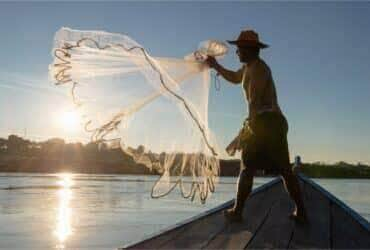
[(69, 211)]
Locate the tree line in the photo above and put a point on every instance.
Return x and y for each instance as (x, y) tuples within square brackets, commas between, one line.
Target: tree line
[(55, 155)]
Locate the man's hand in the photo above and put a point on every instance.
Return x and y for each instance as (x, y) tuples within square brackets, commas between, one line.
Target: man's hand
[(211, 61), (231, 76)]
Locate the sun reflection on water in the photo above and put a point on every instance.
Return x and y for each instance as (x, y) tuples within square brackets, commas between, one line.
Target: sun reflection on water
[(63, 223)]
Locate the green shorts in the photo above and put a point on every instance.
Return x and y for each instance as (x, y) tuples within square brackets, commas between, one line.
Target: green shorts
[(267, 146)]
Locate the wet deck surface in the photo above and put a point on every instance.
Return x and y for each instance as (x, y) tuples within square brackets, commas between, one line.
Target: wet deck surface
[(267, 225)]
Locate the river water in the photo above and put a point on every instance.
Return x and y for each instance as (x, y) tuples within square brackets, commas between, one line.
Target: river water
[(74, 211)]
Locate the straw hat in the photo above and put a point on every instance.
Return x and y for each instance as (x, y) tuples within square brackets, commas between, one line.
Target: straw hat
[(249, 38)]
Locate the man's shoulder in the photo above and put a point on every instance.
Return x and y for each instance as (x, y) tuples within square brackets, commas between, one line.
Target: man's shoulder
[(259, 66)]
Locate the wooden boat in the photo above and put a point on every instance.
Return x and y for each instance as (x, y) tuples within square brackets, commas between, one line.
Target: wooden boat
[(331, 224)]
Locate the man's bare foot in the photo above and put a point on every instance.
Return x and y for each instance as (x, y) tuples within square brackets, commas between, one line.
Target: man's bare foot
[(299, 217), (232, 216)]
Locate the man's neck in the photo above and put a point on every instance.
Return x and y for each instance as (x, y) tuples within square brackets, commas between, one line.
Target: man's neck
[(252, 60)]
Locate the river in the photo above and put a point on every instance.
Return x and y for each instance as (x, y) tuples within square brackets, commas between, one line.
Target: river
[(69, 211)]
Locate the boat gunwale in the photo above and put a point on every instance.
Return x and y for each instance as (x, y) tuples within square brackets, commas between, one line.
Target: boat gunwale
[(350, 211), (204, 214)]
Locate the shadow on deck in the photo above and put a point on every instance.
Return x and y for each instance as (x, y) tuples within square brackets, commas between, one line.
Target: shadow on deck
[(266, 224)]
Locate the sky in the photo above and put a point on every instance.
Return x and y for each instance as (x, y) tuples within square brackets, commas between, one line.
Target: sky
[(318, 54)]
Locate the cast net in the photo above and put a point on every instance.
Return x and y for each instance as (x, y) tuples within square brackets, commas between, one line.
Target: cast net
[(154, 108)]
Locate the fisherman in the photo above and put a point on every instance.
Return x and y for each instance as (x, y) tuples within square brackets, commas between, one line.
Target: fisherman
[(263, 139)]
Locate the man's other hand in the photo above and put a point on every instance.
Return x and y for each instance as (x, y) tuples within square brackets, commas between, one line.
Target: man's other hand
[(211, 61)]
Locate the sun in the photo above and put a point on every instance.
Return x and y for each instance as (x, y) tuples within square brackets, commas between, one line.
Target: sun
[(69, 120)]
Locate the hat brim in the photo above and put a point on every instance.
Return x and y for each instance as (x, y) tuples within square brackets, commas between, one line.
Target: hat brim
[(249, 44)]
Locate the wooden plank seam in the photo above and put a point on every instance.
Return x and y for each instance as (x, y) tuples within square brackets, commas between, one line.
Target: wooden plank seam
[(214, 236), (261, 224)]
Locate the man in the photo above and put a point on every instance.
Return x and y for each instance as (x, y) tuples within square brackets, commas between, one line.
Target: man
[(263, 138)]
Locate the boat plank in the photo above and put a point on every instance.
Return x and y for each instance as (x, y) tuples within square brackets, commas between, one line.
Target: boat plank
[(165, 238), (237, 235), (346, 231), (198, 234), (316, 233), (159, 240), (277, 230)]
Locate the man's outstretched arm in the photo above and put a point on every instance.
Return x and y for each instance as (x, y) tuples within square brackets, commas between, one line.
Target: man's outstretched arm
[(229, 75)]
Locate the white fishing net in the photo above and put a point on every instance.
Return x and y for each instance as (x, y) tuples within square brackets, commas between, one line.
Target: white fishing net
[(154, 108)]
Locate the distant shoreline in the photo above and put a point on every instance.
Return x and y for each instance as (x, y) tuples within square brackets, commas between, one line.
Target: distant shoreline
[(229, 168), (19, 155), (158, 175)]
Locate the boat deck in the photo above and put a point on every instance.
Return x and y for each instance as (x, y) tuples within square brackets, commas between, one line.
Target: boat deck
[(266, 224)]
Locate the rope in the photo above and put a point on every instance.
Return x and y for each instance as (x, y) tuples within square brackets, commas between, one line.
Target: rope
[(217, 82), (195, 186)]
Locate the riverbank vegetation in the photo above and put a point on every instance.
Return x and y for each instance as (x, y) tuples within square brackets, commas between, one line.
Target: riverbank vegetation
[(338, 170), (55, 155)]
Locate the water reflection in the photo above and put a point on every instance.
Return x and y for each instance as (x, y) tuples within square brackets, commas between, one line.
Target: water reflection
[(63, 223)]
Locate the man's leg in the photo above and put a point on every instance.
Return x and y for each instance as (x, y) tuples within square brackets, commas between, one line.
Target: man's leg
[(290, 179), (244, 188), (292, 186)]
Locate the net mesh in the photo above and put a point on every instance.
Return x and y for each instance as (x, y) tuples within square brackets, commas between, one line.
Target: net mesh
[(154, 108)]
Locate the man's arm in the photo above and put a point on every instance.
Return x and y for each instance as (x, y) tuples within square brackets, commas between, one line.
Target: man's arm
[(231, 76)]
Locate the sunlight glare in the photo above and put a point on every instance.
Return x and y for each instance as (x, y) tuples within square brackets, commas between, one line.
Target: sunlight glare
[(69, 120), (63, 228)]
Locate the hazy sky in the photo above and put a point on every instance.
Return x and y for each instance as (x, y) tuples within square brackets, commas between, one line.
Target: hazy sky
[(319, 57)]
